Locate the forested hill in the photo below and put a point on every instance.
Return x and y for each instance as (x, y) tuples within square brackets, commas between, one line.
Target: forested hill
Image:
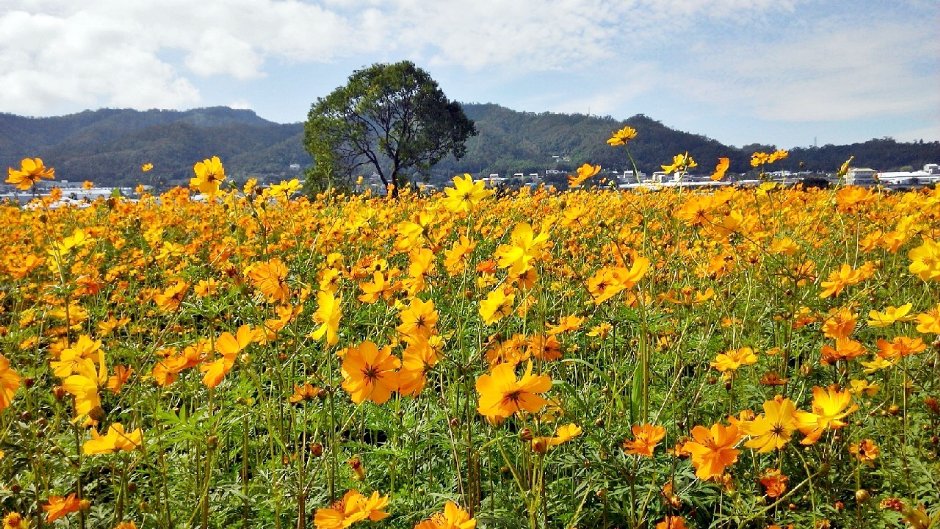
[(108, 146), (514, 142)]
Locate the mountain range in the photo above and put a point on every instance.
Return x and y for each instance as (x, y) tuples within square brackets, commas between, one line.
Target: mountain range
[(108, 146)]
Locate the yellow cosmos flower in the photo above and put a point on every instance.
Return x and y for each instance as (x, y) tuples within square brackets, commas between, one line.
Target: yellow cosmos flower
[(9, 383), (147, 167), (925, 260), (209, 175), (30, 172), (889, 316), (562, 435), (15, 520), (584, 172), (622, 136), (466, 194), (830, 405), (496, 306), (525, 246), (680, 163), (772, 429), (329, 311), (116, 440)]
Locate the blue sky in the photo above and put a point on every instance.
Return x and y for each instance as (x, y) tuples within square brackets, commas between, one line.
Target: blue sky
[(782, 72)]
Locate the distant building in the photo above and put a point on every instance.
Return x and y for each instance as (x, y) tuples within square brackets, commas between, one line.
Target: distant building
[(861, 176)]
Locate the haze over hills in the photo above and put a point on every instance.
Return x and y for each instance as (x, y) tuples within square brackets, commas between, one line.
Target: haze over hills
[(108, 146)]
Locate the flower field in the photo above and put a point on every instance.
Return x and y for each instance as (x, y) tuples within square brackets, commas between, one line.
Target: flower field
[(757, 358)]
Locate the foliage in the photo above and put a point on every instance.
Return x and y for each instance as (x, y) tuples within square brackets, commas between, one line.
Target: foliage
[(108, 146), (392, 118)]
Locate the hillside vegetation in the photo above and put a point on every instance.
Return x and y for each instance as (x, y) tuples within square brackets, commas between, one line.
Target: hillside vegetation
[(108, 146)]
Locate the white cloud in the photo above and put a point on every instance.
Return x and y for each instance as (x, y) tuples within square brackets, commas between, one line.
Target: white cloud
[(65, 55), (830, 72), (54, 63)]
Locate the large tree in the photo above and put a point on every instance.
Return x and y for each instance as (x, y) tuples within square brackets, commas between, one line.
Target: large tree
[(392, 118)]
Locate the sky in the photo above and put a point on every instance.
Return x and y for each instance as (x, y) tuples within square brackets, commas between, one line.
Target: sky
[(788, 73)]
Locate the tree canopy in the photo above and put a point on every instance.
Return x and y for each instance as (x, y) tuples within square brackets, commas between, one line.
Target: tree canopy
[(391, 118)]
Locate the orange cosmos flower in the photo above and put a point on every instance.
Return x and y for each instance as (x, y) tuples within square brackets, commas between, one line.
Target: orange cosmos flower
[(865, 450), (416, 360), (453, 517), (840, 324), (721, 169), (584, 172), (929, 322), (228, 346), (713, 449), (209, 175), (57, 506), (899, 347), (566, 324), (775, 483), (9, 383), (418, 320), (271, 279), (119, 378), (304, 393), (845, 349), (672, 522), (30, 172), (841, 278), (501, 395), (170, 299), (645, 439), (370, 373)]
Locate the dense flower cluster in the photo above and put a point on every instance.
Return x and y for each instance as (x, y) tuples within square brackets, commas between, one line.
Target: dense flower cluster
[(652, 359)]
